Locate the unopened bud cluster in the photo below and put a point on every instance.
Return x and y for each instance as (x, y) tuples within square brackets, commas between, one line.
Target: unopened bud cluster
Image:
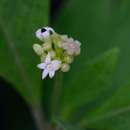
[(56, 51)]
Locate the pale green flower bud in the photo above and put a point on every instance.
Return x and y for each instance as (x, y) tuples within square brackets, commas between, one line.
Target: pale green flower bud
[(43, 57), (78, 52), (52, 53), (38, 49), (68, 59), (65, 67), (64, 37), (59, 44), (47, 46), (57, 40), (55, 37)]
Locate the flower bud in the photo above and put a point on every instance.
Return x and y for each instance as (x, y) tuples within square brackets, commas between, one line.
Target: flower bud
[(38, 49), (42, 57), (78, 52), (57, 40), (52, 53), (47, 46), (59, 44), (44, 33), (68, 59), (64, 37), (65, 67)]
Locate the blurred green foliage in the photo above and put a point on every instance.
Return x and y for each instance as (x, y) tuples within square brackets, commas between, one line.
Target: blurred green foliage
[(93, 94), (18, 21), (85, 86), (100, 25)]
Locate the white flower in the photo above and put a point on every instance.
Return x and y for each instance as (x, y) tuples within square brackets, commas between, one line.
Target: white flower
[(49, 66), (44, 33), (71, 46)]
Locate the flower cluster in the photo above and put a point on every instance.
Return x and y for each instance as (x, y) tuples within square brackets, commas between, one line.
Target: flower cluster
[(56, 51)]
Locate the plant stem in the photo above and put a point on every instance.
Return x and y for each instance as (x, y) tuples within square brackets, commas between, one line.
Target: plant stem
[(39, 118), (56, 93), (38, 113)]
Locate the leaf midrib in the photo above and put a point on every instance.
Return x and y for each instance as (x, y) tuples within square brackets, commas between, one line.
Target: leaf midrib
[(106, 116), (16, 56)]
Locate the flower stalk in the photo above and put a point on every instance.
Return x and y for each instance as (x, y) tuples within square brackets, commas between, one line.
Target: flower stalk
[(39, 117)]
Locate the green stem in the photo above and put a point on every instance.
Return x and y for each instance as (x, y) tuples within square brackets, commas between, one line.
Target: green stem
[(37, 112), (56, 93), (38, 117)]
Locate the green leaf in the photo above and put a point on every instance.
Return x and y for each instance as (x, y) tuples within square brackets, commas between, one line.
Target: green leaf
[(19, 20), (87, 85), (114, 114), (73, 128), (68, 126), (99, 25)]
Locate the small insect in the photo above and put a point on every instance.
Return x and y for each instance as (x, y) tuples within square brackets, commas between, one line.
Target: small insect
[(44, 33)]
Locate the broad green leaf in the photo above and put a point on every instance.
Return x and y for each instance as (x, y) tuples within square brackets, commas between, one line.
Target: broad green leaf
[(69, 127), (87, 85), (74, 128), (19, 20), (114, 114), (99, 24)]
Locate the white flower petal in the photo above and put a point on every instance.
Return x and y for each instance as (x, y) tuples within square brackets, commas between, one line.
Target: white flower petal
[(44, 74), (49, 29), (77, 52), (48, 58), (39, 35), (41, 66), (51, 74), (56, 64), (45, 34), (42, 35), (77, 42), (71, 40)]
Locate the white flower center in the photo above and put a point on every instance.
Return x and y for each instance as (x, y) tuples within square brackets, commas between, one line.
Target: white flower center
[(50, 67)]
